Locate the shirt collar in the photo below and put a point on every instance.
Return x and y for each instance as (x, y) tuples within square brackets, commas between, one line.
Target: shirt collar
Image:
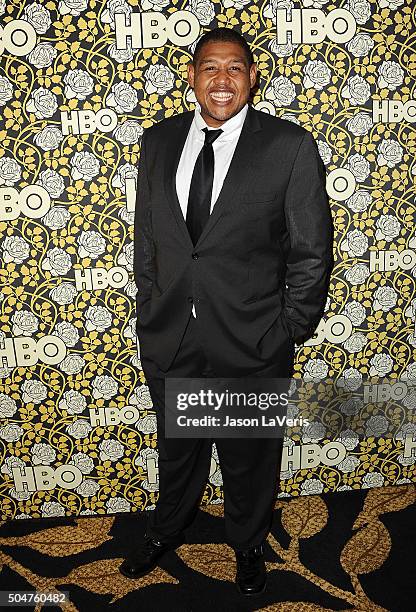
[(229, 127)]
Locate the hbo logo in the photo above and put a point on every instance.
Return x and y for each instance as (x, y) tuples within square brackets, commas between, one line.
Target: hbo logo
[(312, 26), (33, 201), (392, 111), (335, 330), (385, 261), (100, 278), (149, 30), (310, 455), (18, 37), (46, 478), (384, 392), (86, 121)]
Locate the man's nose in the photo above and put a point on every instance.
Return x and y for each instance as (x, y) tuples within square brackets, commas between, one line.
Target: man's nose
[(222, 76)]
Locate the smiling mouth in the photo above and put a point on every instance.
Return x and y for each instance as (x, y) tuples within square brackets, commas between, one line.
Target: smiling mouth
[(221, 96)]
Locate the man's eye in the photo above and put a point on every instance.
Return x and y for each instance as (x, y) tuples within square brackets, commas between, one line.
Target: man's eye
[(236, 67)]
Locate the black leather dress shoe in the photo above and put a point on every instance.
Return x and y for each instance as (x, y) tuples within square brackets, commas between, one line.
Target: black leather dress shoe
[(251, 570), (144, 558)]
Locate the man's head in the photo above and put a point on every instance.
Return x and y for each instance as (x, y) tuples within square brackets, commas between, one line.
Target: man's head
[(222, 74)]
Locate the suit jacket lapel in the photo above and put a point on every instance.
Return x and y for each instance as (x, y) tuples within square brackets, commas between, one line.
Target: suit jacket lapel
[(244, 153), (174, 147), (240, 163)]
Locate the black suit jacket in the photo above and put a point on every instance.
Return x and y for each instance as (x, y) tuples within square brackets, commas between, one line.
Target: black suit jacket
[(259, 273)]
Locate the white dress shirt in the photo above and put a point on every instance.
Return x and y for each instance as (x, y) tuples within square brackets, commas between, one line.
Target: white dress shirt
[(223, 147)]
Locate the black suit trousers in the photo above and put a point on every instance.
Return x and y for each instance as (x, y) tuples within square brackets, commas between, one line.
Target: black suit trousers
[(250, 467)]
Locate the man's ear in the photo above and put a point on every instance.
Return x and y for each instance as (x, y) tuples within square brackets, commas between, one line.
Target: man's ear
[(253, 75), (191, 74)]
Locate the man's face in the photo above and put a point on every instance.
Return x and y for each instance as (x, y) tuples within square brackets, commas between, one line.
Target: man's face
[(221, 80)]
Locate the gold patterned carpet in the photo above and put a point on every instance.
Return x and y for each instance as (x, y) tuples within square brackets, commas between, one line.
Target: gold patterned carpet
[(339, 551)]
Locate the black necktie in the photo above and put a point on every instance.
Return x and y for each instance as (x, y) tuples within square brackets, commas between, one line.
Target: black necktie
[(200, 191)]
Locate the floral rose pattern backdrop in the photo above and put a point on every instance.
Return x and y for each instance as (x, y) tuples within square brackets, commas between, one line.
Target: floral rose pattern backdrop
[(77, 90)]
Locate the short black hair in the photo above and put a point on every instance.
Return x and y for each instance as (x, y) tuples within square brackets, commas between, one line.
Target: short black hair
[(223, 35)]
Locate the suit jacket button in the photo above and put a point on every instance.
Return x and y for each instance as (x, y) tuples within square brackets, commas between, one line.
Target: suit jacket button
[(195, 255), (190, 299)]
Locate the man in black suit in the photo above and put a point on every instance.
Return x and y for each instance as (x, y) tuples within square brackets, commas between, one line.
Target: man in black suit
[(233, 253)]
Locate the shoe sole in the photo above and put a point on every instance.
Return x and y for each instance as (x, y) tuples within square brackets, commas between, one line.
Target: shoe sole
[(127, 575), (251, 594), (150, 568)]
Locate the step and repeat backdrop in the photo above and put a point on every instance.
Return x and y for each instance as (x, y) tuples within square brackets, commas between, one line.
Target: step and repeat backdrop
[(80, 81)]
